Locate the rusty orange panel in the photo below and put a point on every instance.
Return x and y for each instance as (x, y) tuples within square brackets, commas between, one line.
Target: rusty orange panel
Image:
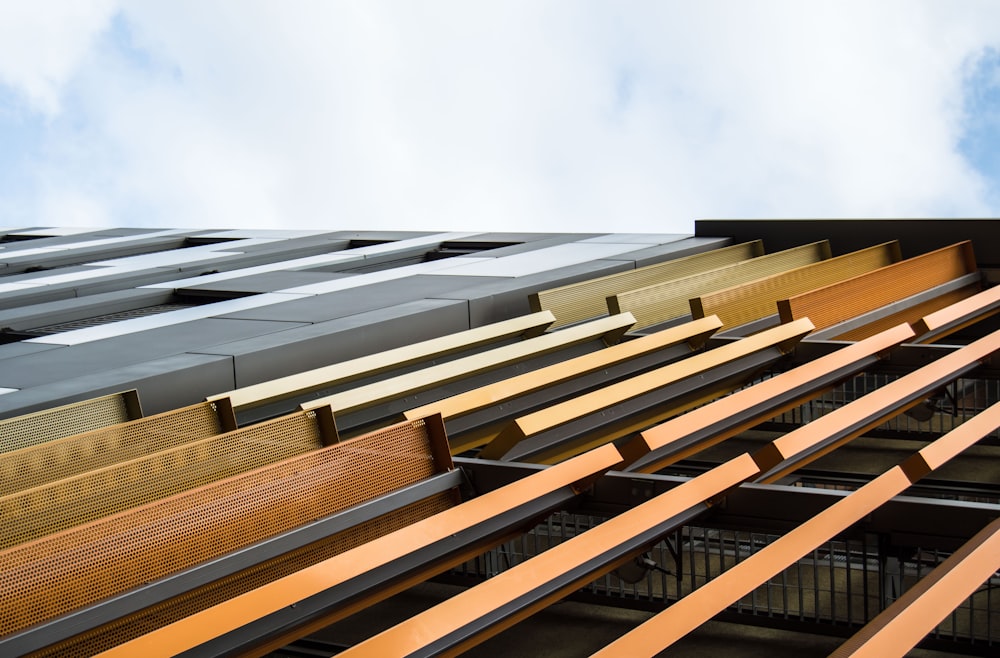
[(958, 316), (909, 315), (586, 299), (64, 571), (841, 301), (758, 299), (742, 403), (932, 456), (569, 410), (898, 628), (487, 598), (192, 631), (866, 412), (669, 300)]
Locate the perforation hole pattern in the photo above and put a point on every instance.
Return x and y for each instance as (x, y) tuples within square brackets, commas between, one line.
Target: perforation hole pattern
[(40, 426), (132, 626), (59, 573), (72, 455), (43, 510)]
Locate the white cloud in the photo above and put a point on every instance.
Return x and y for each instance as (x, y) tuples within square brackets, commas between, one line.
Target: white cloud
[(521, 116)]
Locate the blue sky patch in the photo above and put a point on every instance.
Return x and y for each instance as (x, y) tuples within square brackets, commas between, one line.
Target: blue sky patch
[(980, 141)]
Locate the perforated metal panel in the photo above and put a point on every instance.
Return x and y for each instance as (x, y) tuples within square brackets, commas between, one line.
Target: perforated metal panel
[(65, 571), (912, 314), (34, 428), (588, 299), (668, 300), (62, 458), (64, 503)]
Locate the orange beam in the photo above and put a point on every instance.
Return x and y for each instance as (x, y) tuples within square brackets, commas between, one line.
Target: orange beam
[(590, 548), (899, 628), (957, 316), (699, 606), (742, 404), (201, 627)]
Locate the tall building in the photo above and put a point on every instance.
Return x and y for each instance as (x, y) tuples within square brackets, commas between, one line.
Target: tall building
[(413, 443)]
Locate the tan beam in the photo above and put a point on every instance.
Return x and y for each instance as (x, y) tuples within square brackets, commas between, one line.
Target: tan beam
[(841, 301), (62, 458), (199, 628), (911, 617), (558, 414), (49, 424), (587, 299), (577, 560), (54, 575), (758, 299), (693, 333), (56, 505), (669, 441), (669, 300), (373, 364), (608, 329)]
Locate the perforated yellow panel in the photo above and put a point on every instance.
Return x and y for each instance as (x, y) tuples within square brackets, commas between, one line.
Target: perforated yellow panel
[(34, 428), (59, 573), (71, 455), (54, 506), (128, 628)]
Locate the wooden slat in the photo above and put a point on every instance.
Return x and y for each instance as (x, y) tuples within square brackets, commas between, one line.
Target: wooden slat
[(49, 424), (670, 442), (586, 299), (199, 628), (699, 606), (841, 301), (372, 364), (915, 614), (693, 333), (609, 329), (669, 300), (580, 406), (758, 299), (473, 615)]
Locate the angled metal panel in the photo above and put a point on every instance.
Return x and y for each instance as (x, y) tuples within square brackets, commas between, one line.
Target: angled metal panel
[(957, 316), (841, 301), (587, 299), (669, 299), (50, 424), (758, 299)]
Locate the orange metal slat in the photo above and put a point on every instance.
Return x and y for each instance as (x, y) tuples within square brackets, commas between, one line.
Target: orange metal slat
[(909, 315), (866, 412), (958, 316), (745, 401), (841, 301), (758, 299), (682, 617), (485, 598), (201, 627), (566, 411), (899, 628)]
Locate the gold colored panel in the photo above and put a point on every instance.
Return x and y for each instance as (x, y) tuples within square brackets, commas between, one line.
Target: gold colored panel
[(46, 425), (586, 299), (669, 300)]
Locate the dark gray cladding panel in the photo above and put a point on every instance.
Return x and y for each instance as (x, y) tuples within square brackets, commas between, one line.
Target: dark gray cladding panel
[(28, 277), (502, 299), (672, 250), (77, 308), (379, 235), (41, 294), (91, 254), (342, 303), (265, 282), (276, 355), (309, 245), (12, 350), (510, 250), (120, 351), (163, 384)]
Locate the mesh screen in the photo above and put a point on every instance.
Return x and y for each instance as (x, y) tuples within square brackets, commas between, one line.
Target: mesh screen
[(31, 429), (132, 626), (71, 455), (59, 573), (46, 509)]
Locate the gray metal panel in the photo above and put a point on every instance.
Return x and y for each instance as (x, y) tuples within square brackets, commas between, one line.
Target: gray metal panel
[(163, 384), (640, 238), (343, 303), (265, 282), (232, 234), (78, 360), (672, 250), (541, 260), (11, 350), (65, 310), (269, 356), (75, 256), (530, 242)]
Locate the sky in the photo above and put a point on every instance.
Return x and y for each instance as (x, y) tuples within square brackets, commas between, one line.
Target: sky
[(573, 115)]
